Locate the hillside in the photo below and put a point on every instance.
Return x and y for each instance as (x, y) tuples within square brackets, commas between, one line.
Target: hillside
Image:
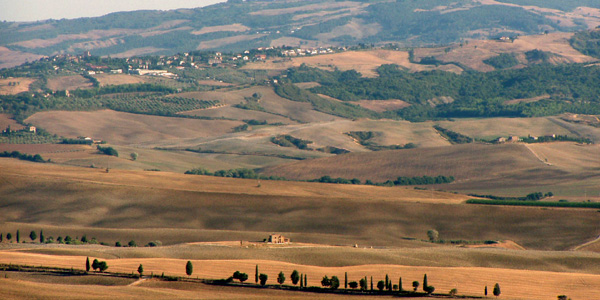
[(48, 194), (236, 26), (566, 169)]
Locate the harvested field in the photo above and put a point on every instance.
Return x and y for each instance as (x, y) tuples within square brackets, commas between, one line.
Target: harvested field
[(515, 284), (295, 111), (476, 51), (237, 27), (10, 58), (381, 106), (5, 121), (118, 79), (72, 82), (492, 128), (125, 128), (364, 62), (227, 40), (355, 214), (239, 114), (314, 7), (464, 162), (509, 169), (13, 86), (43, 148)]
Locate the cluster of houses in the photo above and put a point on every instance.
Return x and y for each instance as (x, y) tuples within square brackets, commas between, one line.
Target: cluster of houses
[(9, 130), (306, 51)]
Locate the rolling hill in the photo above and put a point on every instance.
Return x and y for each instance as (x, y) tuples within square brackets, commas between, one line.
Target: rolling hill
[(236, 26), (70, 197)]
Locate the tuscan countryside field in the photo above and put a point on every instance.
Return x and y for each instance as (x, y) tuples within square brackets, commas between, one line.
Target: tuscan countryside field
[(303, 150)]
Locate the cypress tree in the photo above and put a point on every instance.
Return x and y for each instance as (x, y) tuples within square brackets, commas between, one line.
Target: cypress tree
[(305, 282), (425, 283), (371, 282), (345, 280), (87, 264), (485, 290), (301, 280), (18, 236), (41, 236), (400, 284), (189, 268), (256, 275), (1, 237)]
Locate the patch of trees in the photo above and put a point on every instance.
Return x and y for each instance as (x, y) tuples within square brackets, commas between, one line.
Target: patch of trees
[(233, 173), (341, 109), (587, 42), (364, 138), (452, 136), (108, 151), (243, 127), (290, 141), (538, 55), (572, 87), (502, 61), (529, 197), (22, 156), (25, 104), (536, 203), (562, 138), (76, 141), (333, 150), (400, 181)]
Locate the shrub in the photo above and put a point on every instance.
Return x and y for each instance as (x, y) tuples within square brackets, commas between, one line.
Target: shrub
[(353, 284)]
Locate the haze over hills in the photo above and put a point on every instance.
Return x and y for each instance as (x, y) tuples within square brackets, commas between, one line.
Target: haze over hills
[(242, 25)]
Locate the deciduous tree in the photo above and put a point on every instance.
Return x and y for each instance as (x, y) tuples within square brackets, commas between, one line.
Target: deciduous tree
[(263, 279), (295, 277), (497, 290), (415, 285), (140, 270), (335, 282), (33, 235), (381, 285)]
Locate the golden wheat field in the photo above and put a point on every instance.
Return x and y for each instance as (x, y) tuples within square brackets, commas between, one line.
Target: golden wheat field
[(516, 284)]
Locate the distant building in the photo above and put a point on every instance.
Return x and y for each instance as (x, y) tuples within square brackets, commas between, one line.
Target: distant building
[(278, 239), (501, 140), (513, 139), (32, 129)]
